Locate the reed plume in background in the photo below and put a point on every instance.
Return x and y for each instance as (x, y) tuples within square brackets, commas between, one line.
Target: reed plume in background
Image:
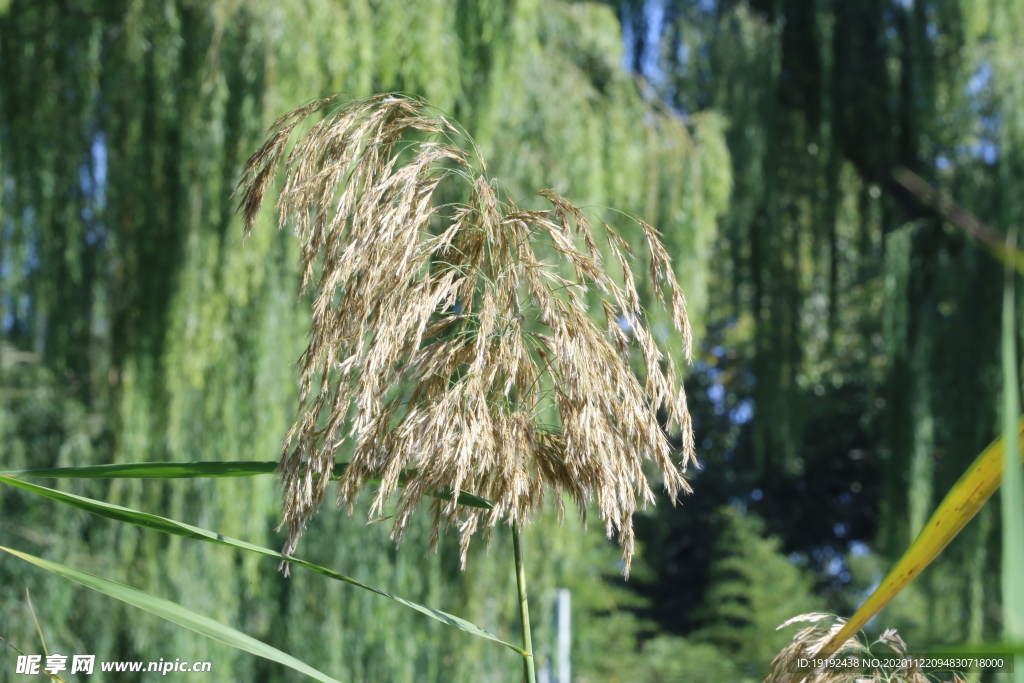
[(441, 334), (809, 641)]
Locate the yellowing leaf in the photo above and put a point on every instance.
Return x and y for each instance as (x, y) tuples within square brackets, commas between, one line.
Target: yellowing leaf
[(959, 506)]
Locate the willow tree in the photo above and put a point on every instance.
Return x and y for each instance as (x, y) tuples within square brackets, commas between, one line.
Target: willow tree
[(126, 291), (872, 325)]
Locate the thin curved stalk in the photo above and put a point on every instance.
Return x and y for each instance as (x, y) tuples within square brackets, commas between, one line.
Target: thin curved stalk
[(529, 663)]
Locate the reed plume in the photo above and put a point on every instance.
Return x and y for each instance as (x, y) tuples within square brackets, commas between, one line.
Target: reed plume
[(847, 666), (441, 333)]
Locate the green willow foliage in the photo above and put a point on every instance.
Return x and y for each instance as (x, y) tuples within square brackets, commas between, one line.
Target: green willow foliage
[(138, 329), (872, 324)]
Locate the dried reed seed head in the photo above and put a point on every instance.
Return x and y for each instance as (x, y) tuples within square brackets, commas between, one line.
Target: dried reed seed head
[(442, 335), (810, 640)]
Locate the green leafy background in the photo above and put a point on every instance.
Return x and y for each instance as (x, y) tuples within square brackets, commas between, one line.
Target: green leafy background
[(849, 372)]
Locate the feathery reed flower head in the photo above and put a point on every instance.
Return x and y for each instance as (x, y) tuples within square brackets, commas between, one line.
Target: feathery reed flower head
[(809, 641), (441, 332)]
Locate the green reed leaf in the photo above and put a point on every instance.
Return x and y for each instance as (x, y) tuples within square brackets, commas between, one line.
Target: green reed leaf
[(176, 614), (176, 528), (198, 470)]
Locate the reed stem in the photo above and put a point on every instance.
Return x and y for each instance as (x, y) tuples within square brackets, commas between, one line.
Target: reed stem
[(529, 663)]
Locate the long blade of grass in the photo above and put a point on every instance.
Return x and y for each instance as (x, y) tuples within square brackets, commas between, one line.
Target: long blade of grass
[(176, 614), (1012, 498), (959, 506), (176, 528), (198, 470), (157, 470)]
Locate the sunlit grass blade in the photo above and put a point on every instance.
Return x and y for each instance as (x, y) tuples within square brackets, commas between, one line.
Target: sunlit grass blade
[(959, 506), (176, 528), (176, 614), (197, 470), (1013, 488)]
